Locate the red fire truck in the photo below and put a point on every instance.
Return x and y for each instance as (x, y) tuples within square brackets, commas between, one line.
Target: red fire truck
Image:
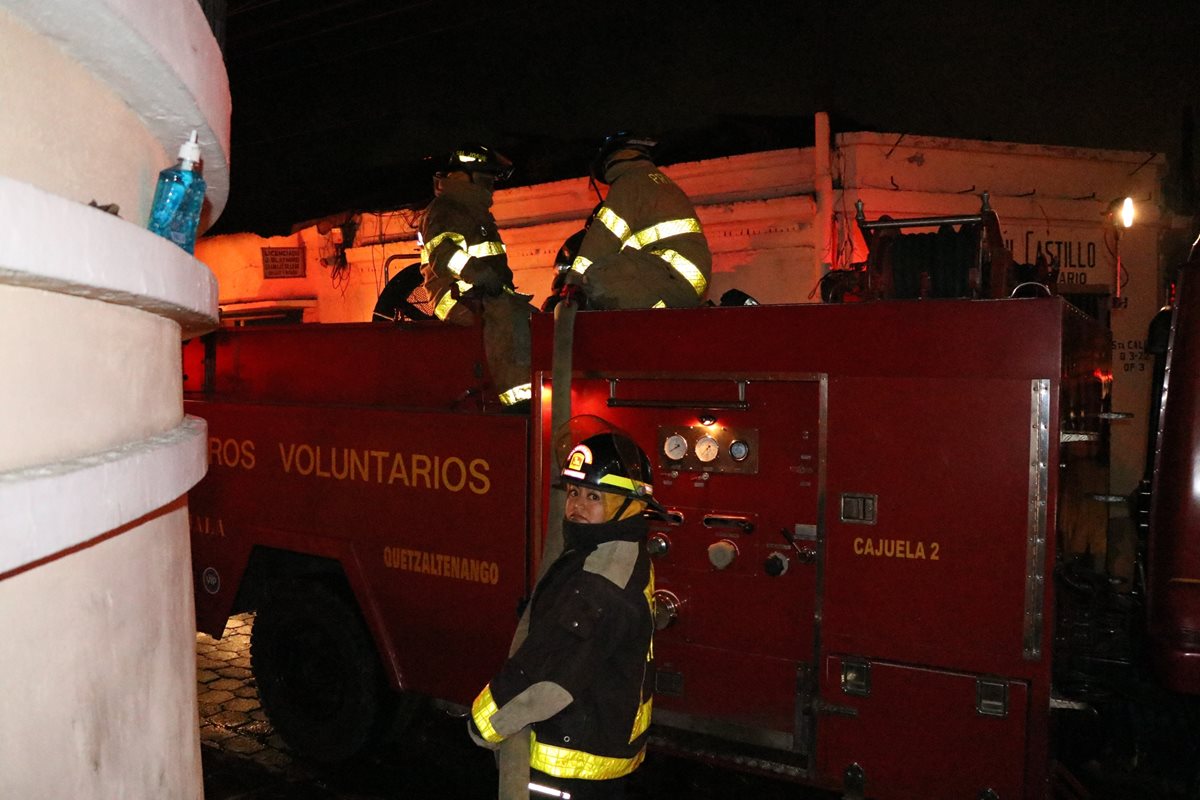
[(860, 583)]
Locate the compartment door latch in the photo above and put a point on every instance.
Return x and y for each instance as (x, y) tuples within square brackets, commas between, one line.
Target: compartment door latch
[(991, 697)]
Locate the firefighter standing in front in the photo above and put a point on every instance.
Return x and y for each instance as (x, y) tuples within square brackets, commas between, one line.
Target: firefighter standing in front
[(583, 677), (465, 268), (645, 247)]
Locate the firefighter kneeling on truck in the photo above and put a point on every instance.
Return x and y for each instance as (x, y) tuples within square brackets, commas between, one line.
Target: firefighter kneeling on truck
[(644, 247), (583, 677), (465, 269)]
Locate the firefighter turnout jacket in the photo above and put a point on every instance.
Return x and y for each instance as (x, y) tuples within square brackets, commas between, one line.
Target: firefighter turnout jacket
[(584, 676), (461, 253), (461, 249), (645, 247)]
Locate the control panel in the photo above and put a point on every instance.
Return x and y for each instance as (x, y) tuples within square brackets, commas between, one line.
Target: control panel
[(708, 448)]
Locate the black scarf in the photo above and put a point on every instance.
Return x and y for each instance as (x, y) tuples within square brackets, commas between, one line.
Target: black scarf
[(588, 536)]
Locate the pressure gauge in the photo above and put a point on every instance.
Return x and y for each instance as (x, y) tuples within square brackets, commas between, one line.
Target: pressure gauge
[(707, 448), (675, 447), (738, 450)]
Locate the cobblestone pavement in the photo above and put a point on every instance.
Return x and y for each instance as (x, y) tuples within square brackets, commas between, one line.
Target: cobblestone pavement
[(244, 759), (233, 720)]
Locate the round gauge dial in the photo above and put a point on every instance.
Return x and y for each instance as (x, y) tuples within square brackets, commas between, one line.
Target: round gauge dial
[(707, 448), (675, 447), (738, 450)]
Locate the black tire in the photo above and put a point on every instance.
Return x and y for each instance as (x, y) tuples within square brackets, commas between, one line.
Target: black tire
[(319, 677)]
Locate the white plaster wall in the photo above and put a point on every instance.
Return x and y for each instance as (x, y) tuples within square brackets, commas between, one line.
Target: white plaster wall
[(98, 683), (756, 210), (1040, 193), (74, 369), (347, 296)]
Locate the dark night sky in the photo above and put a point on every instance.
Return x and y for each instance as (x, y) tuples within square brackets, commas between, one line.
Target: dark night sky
[(337, 104)]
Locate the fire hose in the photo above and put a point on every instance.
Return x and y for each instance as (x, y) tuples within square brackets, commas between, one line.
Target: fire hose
[(514, 751)]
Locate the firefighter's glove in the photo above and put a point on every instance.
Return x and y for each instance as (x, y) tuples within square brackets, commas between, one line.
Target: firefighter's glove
[(485, 281), (573, 293), (477, 737)]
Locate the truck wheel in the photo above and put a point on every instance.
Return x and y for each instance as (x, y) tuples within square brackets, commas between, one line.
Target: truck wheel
[(319, 677)]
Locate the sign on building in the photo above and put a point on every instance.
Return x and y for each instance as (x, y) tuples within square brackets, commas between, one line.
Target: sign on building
[(283, 262)]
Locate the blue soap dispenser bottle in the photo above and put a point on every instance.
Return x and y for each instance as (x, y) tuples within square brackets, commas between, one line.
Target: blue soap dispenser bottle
[(179, 198)]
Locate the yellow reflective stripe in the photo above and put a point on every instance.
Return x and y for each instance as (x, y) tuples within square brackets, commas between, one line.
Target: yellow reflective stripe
[(482, 711), (665, 230), (660, 304), (627, 484), (517, 394), (580, 264), (685, 268), (618, 481), (432, 244), (642, 721), (485, 249), (442, 309), (465, 253), (564, 763), (648, 592), (613, 221), (457, 261)]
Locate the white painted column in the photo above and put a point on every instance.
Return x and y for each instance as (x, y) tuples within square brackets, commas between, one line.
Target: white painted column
[(97, 678)]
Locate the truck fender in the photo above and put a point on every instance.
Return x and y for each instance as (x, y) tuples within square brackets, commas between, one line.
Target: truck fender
[(278, 555)]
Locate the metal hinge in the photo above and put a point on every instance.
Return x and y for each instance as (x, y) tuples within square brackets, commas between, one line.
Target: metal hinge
[(1062, 703), (829, 709)]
